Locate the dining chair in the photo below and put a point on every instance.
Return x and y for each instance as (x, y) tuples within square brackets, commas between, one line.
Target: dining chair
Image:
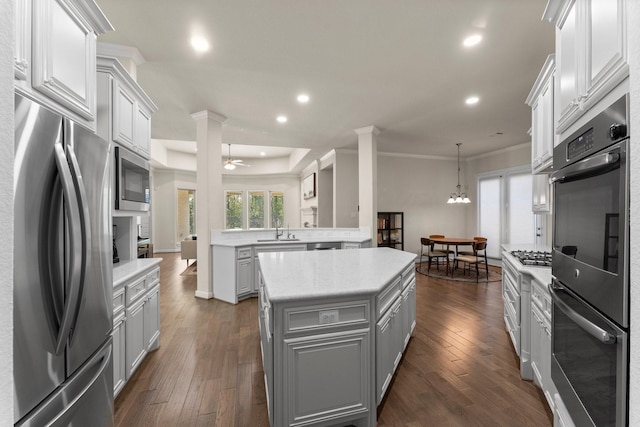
[(427, 249), (477, 239), (475, 259)]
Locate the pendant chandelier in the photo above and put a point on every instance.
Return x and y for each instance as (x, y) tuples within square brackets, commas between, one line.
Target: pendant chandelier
[(458, 196)]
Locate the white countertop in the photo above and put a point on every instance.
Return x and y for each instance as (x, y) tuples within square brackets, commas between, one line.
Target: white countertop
[(125, 270), (315, 274), (254, 242)]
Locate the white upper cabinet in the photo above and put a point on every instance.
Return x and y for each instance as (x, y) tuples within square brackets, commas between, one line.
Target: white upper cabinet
[(124, 109), (591, 53), (22, 48), (55, 54), (543, 137)]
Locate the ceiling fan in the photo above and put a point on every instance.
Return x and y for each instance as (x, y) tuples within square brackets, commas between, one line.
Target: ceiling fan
[(231, 164)]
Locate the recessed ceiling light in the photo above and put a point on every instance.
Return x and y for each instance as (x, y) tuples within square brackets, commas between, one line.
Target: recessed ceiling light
[(472, 100), (262, 153), (281, 119), (472, 40), (303, 98), (199, 44)]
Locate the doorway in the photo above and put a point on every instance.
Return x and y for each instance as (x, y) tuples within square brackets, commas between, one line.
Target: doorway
[(186, 214)]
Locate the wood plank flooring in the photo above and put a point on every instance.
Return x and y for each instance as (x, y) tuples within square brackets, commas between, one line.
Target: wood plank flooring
[(459, 368)]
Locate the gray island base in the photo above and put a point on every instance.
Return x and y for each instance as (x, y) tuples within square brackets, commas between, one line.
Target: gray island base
[(333, 328)]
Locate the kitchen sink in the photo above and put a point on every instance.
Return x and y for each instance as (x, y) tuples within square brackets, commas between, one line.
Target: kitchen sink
[(278, 240)]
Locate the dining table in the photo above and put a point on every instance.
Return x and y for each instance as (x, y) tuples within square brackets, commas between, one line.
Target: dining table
[(453, 241)]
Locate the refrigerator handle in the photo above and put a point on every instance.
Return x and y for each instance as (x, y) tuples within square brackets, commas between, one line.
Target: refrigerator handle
[(72, 212), (85, 230)]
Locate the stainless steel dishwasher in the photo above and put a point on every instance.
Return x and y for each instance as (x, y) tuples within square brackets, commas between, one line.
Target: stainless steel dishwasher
[(323, 246)]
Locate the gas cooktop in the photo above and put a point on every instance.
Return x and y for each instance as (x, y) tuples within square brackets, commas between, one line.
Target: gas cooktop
[(533, 258)]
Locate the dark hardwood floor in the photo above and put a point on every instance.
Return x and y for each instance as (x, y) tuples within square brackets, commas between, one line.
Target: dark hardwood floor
[(459, 368)]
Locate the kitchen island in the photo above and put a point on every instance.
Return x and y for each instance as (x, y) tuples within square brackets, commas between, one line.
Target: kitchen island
[(333, 328)]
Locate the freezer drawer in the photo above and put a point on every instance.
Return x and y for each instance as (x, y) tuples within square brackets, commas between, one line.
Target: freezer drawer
[(85, 399)]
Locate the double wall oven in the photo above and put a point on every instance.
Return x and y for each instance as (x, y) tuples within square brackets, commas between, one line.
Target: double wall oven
[(590, 287)]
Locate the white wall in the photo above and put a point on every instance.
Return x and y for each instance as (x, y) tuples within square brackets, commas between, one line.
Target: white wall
[(420, 187), (633, 8), (164, 206), (6, 211)]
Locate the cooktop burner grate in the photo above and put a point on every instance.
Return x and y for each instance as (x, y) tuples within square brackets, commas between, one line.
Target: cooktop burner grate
[(533, 258)]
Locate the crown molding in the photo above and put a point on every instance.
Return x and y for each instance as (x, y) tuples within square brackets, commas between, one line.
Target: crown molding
[(117, 50)]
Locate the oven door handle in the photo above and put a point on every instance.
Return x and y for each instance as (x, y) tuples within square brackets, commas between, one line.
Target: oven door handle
[(592, 166), (594, 330)]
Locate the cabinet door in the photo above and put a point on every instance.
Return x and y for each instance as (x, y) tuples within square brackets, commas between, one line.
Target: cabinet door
[(567, 60), (412, 307), (64, 56), (388, 345), (136, 344), (119, 354), (142, 131), (607, 62), (325, 376), (124, 108), (537, 349), (152, 319), (541, 193), (244, 276), (22, 52)]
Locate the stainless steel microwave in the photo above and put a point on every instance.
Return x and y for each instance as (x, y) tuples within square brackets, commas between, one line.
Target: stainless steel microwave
[(131, 181)]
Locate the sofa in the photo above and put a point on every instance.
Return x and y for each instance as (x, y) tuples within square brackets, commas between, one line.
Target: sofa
[(188, 249)]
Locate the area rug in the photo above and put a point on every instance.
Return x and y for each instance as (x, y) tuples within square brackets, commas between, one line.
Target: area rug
[(459, 275), (191, 270)]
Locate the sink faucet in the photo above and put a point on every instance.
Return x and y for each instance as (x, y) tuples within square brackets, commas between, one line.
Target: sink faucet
[(278, 234), (288, 234)]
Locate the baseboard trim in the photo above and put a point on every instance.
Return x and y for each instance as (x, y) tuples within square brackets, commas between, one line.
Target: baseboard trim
[(204, 295)]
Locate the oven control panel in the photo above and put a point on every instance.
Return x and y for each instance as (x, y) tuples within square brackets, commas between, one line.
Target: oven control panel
[(580, 145)]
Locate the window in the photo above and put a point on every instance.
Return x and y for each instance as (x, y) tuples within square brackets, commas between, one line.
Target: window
[(186, 215), (233, 210), (276, 201), (504, 208), (261, 209), (256, 209)]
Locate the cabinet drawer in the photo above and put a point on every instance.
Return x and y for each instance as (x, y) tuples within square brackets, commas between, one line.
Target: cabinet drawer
[(408, 275), (388, 295), (326, 316), (118, 300), (243, 253), (135, 290), (281, 248), (152, 278)]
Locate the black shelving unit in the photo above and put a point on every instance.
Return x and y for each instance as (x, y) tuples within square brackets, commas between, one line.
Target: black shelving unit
[(391, 230)]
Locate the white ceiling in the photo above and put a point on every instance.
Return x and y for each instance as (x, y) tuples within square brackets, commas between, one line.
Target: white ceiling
[(398, 65)]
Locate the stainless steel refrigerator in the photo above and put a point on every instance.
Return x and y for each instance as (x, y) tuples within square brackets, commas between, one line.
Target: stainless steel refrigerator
[(63, 290)]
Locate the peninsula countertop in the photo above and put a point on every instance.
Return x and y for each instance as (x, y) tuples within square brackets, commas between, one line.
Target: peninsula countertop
[(290, 276)]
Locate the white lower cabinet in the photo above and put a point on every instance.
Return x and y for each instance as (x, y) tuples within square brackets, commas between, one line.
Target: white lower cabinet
[(384, 354), (135, 342), (119, 355), (136, 325), (152, 318), (244, 276)]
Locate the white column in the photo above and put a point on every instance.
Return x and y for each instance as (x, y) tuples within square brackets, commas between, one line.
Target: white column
[(368, 180), (209, 193)]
